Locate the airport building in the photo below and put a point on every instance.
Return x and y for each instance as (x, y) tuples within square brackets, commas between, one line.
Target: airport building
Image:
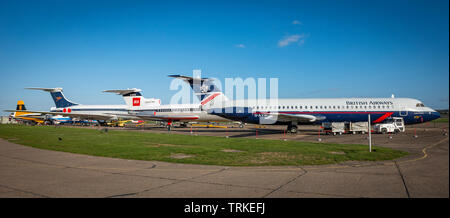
[(6, 120)]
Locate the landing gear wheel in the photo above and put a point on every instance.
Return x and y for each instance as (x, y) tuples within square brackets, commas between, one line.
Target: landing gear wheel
[(292, 128)]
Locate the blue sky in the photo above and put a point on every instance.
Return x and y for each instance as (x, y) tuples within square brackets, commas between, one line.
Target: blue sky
[(316, 48)]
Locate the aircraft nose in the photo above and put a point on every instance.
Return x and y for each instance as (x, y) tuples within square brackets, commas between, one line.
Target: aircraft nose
[(436, 115)]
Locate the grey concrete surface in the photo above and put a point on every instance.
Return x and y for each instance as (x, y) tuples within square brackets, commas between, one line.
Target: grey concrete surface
[(27, 172)]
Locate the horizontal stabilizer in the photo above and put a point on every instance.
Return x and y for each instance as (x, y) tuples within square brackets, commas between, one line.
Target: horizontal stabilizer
[(58, 89), (189, 78), (202, 87), (123, 91), (58, 96)]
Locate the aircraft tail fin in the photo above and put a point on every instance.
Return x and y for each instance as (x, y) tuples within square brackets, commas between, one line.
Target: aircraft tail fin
[(20, 106), (58, 97), (21, 110), (205, 89)]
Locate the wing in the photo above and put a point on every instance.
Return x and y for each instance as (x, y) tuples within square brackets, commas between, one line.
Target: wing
[(30, 115), (158, 117), (74, 115), (302, 118), (167, 117)]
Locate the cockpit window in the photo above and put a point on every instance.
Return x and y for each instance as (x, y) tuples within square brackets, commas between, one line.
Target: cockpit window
[(420, 105)]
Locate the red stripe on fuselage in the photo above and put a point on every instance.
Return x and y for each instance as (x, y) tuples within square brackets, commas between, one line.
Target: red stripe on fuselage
[(209, 98), (386, 115)]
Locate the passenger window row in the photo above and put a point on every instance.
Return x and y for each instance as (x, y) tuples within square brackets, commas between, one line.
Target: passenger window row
[(175, 109), (334, 107)]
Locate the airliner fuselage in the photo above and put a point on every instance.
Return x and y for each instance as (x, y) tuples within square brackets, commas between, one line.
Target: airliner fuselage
[(316, 111)]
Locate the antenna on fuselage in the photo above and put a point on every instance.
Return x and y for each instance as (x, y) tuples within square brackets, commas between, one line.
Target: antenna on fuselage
[(392, 96)]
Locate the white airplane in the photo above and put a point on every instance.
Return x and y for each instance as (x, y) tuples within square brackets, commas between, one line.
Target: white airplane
[(101, 113), (169, 113), (136, 108), (292, 112)]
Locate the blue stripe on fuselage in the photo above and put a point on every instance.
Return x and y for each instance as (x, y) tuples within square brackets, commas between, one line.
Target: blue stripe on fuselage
[(409, 117)]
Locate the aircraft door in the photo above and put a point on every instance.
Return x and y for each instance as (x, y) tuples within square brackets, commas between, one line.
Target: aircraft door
[(403, 111)]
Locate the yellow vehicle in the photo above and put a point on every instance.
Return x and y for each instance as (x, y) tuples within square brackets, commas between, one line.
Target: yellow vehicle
[(208, 125), (118, 123)]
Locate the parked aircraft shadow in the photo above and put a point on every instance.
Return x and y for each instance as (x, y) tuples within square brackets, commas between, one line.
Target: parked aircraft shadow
[(248, 132), (266, 132), (232, 132)]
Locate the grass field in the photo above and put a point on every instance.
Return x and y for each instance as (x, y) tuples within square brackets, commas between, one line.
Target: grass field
[(190, 149), (440, 120)]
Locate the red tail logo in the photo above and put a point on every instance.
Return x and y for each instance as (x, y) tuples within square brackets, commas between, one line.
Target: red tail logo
[(136, 101)]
